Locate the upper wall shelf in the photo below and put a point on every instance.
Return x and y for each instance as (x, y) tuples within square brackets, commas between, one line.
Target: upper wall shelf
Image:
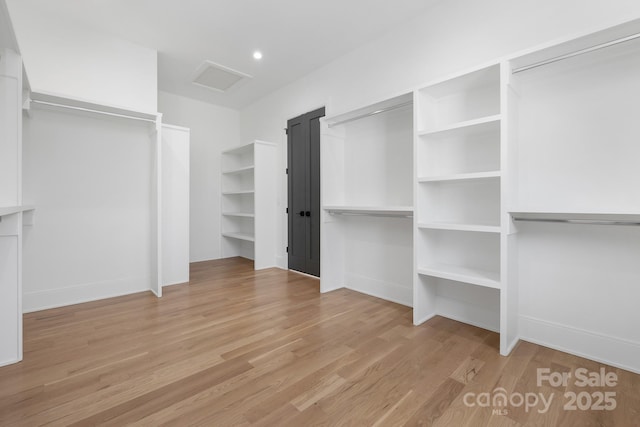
[(10, 210), (245, 148), (584, 44), (370, 110), (579, 218), (466, 128), (60, 101)]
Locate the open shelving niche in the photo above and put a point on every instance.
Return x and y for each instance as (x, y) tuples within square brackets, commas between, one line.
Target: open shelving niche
[(249, 202), (367, 199), (461, 224)]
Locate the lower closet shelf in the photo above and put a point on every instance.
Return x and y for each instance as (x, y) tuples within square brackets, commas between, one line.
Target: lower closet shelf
[(240, 236), (472, 276)]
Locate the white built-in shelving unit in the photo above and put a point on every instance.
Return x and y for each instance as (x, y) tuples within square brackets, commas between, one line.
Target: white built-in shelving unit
[(526, 215), (249, 203), (169, 210), (460, 255), (12, 210), (367, 199)]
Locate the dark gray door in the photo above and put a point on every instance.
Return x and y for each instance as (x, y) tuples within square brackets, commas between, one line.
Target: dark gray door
[(304, 192)]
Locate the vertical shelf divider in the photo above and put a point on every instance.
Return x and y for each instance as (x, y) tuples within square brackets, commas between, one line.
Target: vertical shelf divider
[(460, 221)]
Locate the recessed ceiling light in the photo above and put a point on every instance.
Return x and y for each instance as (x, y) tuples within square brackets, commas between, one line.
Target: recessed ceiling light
[(257, 55)]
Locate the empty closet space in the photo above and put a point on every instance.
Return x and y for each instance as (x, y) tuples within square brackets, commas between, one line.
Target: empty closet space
[(367, 198), (576, 205), (92, 179)]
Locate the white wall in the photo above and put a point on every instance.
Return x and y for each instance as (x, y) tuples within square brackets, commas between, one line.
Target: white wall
[(7, 38), (213, 129), (175, 184), (65, 59), (90, 178), (455, 35)]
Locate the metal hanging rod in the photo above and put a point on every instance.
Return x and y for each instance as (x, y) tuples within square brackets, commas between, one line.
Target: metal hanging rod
[(384, 215), (579, 221), (576, 53), (372, 113), (89, 110)]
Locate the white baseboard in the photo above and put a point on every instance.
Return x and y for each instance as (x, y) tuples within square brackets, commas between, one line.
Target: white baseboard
[(310, 276), (53, 298), (618, 352), (380, 289), (9, 362), (282, 262), (424, 319), (511, 346)]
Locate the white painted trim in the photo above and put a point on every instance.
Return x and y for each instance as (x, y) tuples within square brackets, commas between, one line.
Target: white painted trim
[(425, 319), (511, 346), (379, 289), (304, 274), (468, 321), (614, 351), (10, 362), (282, 262), (176, 127), (174, 284), (44, 300)]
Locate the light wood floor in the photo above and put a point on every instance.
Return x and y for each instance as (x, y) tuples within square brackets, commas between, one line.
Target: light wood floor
[(238, 347)]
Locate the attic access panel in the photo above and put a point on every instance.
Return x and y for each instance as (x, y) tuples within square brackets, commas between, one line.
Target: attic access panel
[(217, 77)]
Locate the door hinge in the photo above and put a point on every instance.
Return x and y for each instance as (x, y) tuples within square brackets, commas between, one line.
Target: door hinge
[(287, 249), (286, 210), (286, 171), (286, 131)]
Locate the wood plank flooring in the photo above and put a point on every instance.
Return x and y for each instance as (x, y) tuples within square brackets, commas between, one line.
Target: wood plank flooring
[(242, 348)]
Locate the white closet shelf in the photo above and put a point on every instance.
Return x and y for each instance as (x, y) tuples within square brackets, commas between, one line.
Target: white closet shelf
[(240, 236), (488, 279), (240, 149), (246, 148), (10, 210), (579, 217), (227, 193), (462, 177), (240, 214), (239, 170), (481, 228), (466, 127), (371, 210), (370, 110), (56, 100)]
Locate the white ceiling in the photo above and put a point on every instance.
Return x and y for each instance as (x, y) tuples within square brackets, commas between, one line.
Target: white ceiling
[(295, 36)]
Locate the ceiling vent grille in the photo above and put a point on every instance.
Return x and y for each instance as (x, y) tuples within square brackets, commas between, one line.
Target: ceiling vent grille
[(217, 77)]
